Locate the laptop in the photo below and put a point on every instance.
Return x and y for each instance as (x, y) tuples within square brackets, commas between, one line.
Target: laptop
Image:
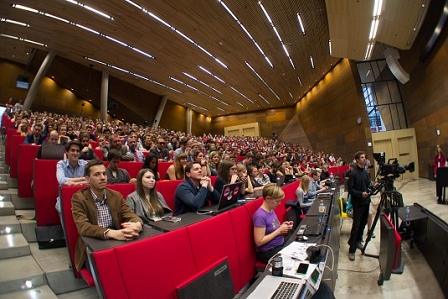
[(52, 151), (273, 286), (229, 197)]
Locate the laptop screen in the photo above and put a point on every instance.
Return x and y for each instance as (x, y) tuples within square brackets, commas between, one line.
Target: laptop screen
[(52, 151), (230, 194)]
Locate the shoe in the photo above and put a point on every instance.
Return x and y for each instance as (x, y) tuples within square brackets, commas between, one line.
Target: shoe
[(360, 246), (351, 256), (373, 235)]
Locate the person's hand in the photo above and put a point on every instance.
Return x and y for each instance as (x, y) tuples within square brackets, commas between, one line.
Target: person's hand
[(203, 162), (284, 228), (85, 149), (135, 226), (205, 181), (365, 194), (124, 234)]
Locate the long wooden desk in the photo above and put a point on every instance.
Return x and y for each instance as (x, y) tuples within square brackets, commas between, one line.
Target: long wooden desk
[(186, 219)]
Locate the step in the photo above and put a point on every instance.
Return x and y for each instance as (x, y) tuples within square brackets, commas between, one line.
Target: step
[(6, 208), (3, 185), (3, 169), (4, 177), (9, 225), (20, 270), (42, 292), (23, 203), (13, 245), (55, 263), (5, 195), (28, 229), (12, 182)]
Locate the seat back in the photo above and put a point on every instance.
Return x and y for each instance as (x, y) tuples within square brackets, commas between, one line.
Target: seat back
[(108, 272), (16, 140), (162, 168), (132, 167), (46, 190), (212, 240), (11, 132), (99, 153), (27, 154), (168, 189), (290, 194), (124, 189), (156, 265)]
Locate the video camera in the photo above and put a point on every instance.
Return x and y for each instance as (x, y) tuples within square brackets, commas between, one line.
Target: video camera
[(392, 168)]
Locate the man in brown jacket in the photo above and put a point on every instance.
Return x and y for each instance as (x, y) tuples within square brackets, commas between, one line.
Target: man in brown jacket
[(98, 212)]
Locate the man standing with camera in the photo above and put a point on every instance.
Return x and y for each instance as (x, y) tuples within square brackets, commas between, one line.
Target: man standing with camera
[(358, 187)]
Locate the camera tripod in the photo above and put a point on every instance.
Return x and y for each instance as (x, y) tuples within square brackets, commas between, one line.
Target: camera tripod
[(389, 203)]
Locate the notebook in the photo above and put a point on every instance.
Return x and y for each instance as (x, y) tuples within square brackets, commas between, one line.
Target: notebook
[(52, 151), (271, 286), (229, 197)]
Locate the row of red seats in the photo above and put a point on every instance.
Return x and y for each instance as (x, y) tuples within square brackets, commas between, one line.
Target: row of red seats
[(229, 235)]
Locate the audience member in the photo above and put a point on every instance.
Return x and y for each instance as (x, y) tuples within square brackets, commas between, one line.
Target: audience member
[(36, 137), (146, 202), (101, 213), (152, 163), (160, 150), (183, 149), (194, 192), (53, 138), (226, 175), (302, 194), (176, 171), (315, 187), (24, 127), (132, 144), (241, 171), (268, 232), (114, 174), (214, 160), (87, 152), (115, 143), (200, 158), (70, 172)]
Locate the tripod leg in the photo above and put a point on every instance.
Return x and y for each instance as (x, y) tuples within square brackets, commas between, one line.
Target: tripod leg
[(375, 220)]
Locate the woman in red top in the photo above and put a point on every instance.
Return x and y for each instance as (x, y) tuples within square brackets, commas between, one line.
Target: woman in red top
[(439, 161)]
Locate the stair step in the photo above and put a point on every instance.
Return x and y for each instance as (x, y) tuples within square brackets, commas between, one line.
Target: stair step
[(13, 245), (42, 292), (17, 271), (9, 225), (12, 182), (6, 208), (5, 195), (4, 176), (23, 203), (28, 229)]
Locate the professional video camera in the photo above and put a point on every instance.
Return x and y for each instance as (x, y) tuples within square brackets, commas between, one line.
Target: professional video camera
[(391, 169)]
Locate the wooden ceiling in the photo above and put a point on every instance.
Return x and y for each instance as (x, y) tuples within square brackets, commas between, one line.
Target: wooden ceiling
[(207, 24)]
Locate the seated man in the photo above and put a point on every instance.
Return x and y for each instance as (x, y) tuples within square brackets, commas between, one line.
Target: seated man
[(70, 172), (116, 220), (132, 145), (161, 151), (193, 193), (114, 174), (115, 143), (315, 187), (87, 152), (36, 137)]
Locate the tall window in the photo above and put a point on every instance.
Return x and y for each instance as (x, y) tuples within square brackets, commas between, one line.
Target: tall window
[(384, 105)]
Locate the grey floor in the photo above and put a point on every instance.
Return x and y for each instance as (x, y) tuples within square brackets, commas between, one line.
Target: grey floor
[(358, 279)]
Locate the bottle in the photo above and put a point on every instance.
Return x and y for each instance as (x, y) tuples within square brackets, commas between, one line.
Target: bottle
[(321, 211), (408, 209), (277, 266)]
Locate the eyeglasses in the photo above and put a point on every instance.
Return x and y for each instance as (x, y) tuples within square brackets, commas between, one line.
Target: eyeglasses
[(233, 168), (161, 142)]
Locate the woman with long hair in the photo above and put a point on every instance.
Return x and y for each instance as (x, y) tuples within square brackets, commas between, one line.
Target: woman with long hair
[(200, 158), (226, 175), (176, 171), (439, 161), (242, 177), (213, 161), (152, 162), (146, 202), (302, 194)]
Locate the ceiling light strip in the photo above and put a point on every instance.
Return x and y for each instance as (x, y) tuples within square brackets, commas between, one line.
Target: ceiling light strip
[(23, 39), (131, 73), (198, 90), (177, 31), (14, 22), (235, 90), (81, 27), (301, 24), (246, 31), (261, 79), (377, 8), (199, 81), (199, 107), (262, 97), (211, 74), (98, 12), (276, 33)]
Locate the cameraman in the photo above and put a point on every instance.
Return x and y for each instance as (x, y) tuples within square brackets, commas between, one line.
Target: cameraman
[(358, 187)]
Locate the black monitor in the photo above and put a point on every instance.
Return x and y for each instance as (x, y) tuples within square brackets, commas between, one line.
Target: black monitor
[(22, 82)]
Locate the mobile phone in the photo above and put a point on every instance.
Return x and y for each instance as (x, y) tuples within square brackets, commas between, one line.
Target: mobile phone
[(302, 268)]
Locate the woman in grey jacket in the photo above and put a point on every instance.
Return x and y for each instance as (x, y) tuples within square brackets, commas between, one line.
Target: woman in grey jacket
[(146, 202)]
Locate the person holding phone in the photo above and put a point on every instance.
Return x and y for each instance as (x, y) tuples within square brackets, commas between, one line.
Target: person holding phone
[(268, 232)]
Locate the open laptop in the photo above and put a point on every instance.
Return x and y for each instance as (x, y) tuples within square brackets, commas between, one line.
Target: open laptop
[(52, 151), (273, 286), (229, 197)]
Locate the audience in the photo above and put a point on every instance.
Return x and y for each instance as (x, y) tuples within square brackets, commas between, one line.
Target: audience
[(146, 202)]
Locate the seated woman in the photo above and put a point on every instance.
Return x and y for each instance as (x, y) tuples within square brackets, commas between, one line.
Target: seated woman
[(152, 162), (213, 161), (268, 232), (253, 175), (226, 175), (242, 177), (302, 196), (24, 127), (200, 158), (146, 202), (262, 178), (176, 171)]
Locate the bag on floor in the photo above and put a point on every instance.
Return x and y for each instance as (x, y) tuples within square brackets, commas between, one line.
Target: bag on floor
[(50, 236)]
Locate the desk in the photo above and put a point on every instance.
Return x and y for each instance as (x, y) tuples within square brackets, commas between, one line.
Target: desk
[(186, 219), (330, 238), (94, 245), (415, 214)]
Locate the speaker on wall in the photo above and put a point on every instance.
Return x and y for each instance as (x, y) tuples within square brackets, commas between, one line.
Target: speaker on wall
[(392, 56)]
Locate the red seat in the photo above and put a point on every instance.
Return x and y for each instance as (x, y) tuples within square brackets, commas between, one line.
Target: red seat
[(156, 266), (253, 206), (46, 190), (133, 168), (16, 141), (27, 154), (99, 153), (124, 189), (162, 168), (243, 233), (108, 270), (11, 132), (168, 189), (204, 238)]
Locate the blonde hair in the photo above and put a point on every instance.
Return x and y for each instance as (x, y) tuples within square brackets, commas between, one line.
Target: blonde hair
[(273, 191), (305, 183)]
